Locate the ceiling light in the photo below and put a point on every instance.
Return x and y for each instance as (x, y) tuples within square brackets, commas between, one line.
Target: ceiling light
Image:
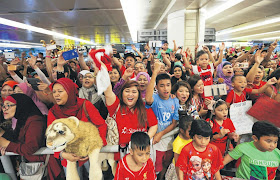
[(260, 34), (170, 5), (244, 27), (271, 38), (224, 6), (41, 30), (18, 45)]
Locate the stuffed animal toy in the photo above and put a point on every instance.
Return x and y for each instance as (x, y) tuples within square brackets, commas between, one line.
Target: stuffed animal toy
[(77, 137)]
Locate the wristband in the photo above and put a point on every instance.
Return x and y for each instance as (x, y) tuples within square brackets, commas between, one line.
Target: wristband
[(48, 56)]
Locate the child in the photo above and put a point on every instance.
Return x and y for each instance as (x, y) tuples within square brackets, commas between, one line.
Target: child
[(181, 140), (192, 161), (166, 111), (137, 165), (239, 92), (222, 126), (259, 158), (183, 92)]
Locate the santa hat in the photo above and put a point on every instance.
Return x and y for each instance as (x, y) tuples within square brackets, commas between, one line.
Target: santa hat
[(102, 77)]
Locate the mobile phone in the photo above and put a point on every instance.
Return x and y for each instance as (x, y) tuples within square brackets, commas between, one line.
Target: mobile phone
[(9, 55), (243, 65), (34, 83), (51, 47), (12, 67), (82, 50), (67, 55)]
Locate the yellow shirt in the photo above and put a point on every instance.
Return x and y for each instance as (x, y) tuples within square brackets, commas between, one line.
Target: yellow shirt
[(178, 145)]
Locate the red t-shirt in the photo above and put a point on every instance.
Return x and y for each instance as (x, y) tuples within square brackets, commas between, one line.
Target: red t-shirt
[(256, 96), (147, 172), (128, 122), (232, 97), (122, 72), (200, 165), (221, 143)]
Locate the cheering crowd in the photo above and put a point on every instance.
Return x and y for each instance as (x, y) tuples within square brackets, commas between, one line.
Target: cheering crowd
[(223, 99)]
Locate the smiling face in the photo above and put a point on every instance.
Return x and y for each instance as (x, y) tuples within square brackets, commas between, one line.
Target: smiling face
[(139, 67), (130, 96), (183, 94), (239, 83), (258, 76), (18, 90), (228, 70), (6, 91), (88, 80), (114, 75), (60, 95), (9, 109), (177, 72), (143, 82), (129, 62)]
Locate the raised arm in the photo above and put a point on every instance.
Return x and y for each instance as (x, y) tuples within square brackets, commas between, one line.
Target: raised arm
[(138, 52), (251, 74), (150, 88), (206, 49), (166, 60), (82, 62), (49, 66), (116, 62), (221, 49), (244, 56), (270, 50), (175, 46)]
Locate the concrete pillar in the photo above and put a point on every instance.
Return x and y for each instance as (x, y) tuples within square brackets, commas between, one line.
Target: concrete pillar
[(186, 27)]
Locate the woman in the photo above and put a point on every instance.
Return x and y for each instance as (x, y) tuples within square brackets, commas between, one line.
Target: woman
[(28, 135), (25, 89), (225, 71), (68, 104), (89, 91), (178, 75), (7, 88), (143, 80), (132, 115), (115, 74)]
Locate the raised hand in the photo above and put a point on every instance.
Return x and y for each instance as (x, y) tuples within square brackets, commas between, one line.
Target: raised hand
[(133, 47), (272, 81), (128, 73), (258, 57), (32, 60), (222, 46), (206, 49), (157, 66)]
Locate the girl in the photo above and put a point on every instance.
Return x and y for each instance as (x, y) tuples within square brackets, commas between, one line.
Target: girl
[(198, 108), (192, 155), (222, 126), (115, 75), (143, 80), (28, 135), (181, 140), (225, 71)]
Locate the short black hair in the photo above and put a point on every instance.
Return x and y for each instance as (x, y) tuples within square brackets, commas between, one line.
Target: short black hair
[(193, 80), (178, 56), (264, 128), (202, 128), (161, 77), (140, 140), (235, 76), (199, 53), (129, 55), (185, 121), (275, 74)]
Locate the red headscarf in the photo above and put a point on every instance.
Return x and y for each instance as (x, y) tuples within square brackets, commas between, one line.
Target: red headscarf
[(73, 106), (10, 83)]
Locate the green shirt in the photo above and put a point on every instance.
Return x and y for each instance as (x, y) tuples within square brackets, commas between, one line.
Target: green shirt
[(159, 53), (255, 165)]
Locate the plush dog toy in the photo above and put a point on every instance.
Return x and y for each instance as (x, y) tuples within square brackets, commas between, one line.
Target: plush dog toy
[(77, 137)]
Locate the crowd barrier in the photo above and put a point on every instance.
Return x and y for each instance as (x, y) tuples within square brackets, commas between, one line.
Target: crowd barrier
[(9, 169)]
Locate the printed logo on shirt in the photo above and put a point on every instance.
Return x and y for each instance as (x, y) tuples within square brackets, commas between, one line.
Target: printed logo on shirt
[(262, 172), (201, 168), (145, 176), (125, 130)]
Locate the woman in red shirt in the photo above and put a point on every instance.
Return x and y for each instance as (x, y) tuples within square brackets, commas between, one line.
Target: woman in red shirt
[(65, 93), (131, 115), (28, 135)]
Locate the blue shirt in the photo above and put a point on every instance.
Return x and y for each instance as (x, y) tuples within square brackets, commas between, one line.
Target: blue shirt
[(165, 111)]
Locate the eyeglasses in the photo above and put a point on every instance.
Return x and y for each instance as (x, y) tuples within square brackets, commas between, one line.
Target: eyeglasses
[(8, 106)]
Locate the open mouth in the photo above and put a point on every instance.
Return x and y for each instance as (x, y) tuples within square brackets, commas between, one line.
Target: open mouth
[(130, 99)]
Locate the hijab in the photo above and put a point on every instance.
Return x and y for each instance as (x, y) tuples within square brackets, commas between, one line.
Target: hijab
[(25, 107), (143, 93), (32, 94), (174, 80), (73, 105), (220, 74), (10, 83)]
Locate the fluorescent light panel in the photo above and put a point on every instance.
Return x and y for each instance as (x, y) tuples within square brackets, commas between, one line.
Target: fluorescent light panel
[(40, 30), (228, 4), (170, 5), (261, 23), (18, 45), (260, 34)]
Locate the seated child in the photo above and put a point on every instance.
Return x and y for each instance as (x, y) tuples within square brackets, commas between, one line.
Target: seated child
[(200, 159), (137, 165), (260, 157), (239, 92), (181, 140), (222, 126)]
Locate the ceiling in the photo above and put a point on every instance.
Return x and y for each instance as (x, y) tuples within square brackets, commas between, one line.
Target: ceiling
[(103, 21)]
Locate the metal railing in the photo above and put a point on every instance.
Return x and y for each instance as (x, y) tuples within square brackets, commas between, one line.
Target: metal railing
[(9, 169)]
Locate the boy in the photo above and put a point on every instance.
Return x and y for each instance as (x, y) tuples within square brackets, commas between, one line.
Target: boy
[(259, 158), (239, 92), (137, 165), (166, 111), (165, 49)]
